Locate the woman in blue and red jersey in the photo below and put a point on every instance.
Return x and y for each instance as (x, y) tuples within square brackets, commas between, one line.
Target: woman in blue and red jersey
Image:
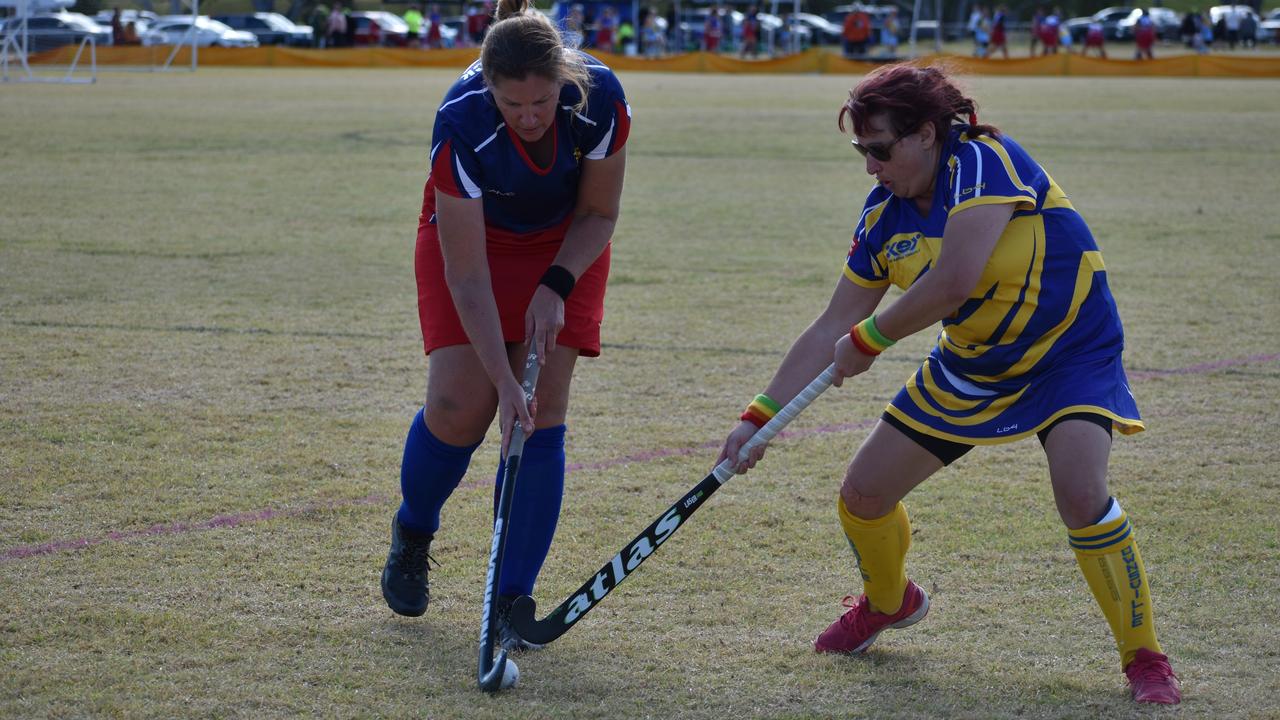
[(527, 163), (981, 239)]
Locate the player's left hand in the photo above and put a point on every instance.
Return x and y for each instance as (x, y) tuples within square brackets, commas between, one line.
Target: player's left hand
[(543, 321), (849, 360)]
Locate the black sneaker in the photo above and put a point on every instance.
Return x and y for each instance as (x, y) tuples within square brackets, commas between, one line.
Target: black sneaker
[(508, 638), (404, 578)]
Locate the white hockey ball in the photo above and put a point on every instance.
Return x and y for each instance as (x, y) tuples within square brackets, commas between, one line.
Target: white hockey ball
[(510, 675)]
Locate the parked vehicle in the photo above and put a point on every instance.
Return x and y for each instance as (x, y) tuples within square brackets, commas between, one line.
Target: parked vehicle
[(391, 29), (46, 31), (822, 30), (179, 30), (1108, 17), (142, 21), (270, 28), (1168, 23), (1269, 28)]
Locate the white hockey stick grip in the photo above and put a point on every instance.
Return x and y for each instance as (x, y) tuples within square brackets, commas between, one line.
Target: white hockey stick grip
[(816, 387)]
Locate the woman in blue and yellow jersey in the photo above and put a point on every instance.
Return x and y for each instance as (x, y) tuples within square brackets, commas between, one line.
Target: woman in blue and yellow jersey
[(528, 156), (981, 239)]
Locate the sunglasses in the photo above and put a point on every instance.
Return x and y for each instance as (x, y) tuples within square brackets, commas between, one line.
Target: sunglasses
[(880, 151)]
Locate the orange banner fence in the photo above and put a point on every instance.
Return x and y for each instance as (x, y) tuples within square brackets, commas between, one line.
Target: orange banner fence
[(810, 61)]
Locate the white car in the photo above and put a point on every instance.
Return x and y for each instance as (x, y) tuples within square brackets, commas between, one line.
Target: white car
[(1269, 28), (178, 30)]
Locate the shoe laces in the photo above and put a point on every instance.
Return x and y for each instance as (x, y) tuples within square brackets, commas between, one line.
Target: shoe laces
[(855, 621), (414, 555), (1151, 669)]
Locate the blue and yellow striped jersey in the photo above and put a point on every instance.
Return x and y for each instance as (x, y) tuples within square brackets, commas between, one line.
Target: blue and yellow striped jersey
[(1041, 306)]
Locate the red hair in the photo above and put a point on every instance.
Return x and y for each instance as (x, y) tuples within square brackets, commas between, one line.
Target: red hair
[(910, 97)]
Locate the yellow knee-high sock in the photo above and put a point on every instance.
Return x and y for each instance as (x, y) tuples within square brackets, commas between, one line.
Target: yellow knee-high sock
[(880, 547), (1108, 555)]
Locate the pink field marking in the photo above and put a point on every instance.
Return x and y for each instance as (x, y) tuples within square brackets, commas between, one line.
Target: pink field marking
[(179, 528), (1206, 367), (244, 518)]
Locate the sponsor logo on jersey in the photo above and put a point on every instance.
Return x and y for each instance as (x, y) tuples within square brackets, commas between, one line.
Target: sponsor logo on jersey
[(899, 249)]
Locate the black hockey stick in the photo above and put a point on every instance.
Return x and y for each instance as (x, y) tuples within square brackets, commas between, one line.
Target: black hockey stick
[(638, 550), (490, 672)]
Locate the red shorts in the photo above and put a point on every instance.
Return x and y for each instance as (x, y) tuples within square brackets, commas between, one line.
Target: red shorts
[(997, 37), (514, 269), (1093, 39)]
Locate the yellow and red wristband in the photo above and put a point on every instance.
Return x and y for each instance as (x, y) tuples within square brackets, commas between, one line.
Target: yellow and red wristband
[(867, 338), (760, 411)]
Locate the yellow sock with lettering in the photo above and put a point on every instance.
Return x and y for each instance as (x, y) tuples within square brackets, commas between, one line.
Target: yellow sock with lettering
[(880, 547), (1108, 555)]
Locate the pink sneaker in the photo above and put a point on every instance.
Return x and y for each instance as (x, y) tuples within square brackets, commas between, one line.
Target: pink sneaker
[(1152, 680), (858, 628)]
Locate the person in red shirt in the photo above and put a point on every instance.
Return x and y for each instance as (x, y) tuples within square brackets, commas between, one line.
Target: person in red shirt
[(857, 30)]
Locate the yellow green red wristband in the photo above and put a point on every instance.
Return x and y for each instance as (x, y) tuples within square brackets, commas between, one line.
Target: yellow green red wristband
[(769, 403), (760, 411), (868, 338)]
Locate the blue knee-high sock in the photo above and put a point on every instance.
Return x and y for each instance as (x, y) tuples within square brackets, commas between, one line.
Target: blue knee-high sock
[(535, 509), (429, 472)]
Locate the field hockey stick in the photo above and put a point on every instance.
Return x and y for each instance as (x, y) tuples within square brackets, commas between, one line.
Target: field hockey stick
[(490, 672), (639, 549)]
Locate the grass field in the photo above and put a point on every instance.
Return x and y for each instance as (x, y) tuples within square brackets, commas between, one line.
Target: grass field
[(209, 355)]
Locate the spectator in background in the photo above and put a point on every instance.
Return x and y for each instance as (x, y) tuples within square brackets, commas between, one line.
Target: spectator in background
[(1093, 38), (975, 20), (889, 33), (117, 28), (478, 18), (1049, 28), (375, 33), (1248, 30), (607, 29), (981, 32), (435, 40), (574, 27), (713, 30), (857, 31), (999, 38), (336, 28), (1231, 19), (1144, 37), (319, 22), (653, 41), (1037, 27), (751, 32), (626, 37), (413, 18), (1188, 28), (349, 38), (1206, 32), (131, 34)]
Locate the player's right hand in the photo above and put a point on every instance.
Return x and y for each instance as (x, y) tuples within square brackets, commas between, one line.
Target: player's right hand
[(733, 446), (512, 409)]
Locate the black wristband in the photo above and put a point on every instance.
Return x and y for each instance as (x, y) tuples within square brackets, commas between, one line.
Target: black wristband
[(559, 279)]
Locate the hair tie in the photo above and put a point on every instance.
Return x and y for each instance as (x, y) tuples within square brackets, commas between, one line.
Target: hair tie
[(973, 119)]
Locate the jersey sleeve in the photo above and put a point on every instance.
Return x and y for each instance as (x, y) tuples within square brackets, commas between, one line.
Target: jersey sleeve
[(608, 118), (454, 167), (982, 172), (864, 265)]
